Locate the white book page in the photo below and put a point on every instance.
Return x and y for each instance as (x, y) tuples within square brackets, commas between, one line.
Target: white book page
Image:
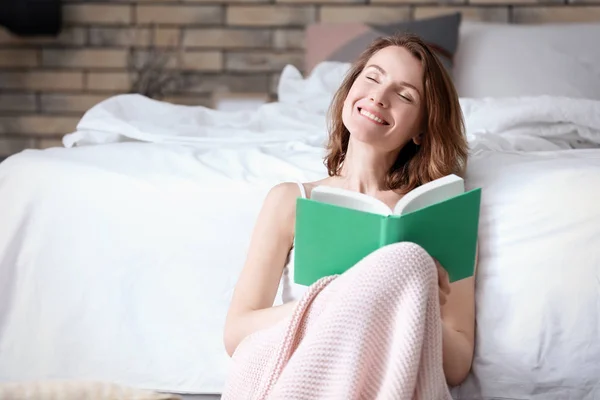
[(349, 199), (430, 193)]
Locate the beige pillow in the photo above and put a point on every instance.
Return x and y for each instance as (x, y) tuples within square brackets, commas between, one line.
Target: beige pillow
[(344, 42)]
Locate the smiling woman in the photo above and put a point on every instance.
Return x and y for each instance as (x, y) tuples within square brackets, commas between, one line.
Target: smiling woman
[(390, 92), (395, 124), (399, 81)]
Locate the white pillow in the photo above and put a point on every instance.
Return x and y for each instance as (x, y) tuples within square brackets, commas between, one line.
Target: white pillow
[(538, 282), (315, 91), (502, 60)]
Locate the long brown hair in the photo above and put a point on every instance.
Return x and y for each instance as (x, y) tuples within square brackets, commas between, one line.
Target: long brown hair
[(443, 149)]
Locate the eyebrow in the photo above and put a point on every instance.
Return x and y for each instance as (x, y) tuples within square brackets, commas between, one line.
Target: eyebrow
[(402, 83)]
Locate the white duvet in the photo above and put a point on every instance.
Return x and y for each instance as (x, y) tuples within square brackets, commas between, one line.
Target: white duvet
[(525, 123), (118, 256)]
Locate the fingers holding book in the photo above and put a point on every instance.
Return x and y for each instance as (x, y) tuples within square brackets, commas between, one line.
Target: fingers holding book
[(443, 283)]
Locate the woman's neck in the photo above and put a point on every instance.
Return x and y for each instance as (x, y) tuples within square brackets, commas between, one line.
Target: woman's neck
[(365, 169)]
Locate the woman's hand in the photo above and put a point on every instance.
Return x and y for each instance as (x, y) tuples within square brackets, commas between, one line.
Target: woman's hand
[(443, 283)]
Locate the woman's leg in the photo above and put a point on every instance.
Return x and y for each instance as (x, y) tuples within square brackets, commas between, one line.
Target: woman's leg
[(373, 331)]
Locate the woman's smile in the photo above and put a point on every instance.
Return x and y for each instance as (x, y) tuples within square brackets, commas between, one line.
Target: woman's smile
[(372, 116)]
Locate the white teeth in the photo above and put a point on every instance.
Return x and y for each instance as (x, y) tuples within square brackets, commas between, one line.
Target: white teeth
[(371, 116)]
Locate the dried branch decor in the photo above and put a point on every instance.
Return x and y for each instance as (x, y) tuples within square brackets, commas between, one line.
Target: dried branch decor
[(155, 71)]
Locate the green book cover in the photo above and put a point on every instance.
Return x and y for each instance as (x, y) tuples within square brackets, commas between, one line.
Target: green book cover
[(330, 239)]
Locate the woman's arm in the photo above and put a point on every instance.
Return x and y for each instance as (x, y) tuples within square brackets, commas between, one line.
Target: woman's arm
[(251, 307), (458, 330)]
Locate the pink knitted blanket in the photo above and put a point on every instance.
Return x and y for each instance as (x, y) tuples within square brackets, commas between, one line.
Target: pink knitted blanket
[(372, 333)]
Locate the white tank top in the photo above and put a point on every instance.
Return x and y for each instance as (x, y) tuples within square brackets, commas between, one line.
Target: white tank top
[(289, 290)]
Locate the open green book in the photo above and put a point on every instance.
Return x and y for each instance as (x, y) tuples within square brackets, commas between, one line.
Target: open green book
[(336, 228)]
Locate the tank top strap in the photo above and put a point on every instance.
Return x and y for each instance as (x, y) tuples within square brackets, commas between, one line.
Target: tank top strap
[(302, 189)]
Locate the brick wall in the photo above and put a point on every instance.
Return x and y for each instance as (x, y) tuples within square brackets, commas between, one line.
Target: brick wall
[(236, 46)]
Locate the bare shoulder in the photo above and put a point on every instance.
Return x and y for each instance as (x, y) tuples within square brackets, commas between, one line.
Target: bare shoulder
[(280, 205), (283, 196), (285, 189)]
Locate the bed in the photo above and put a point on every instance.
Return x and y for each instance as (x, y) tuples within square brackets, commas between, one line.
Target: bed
[(119, 252)]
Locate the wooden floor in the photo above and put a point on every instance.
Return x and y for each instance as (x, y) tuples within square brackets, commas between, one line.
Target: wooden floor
[(200, 397)]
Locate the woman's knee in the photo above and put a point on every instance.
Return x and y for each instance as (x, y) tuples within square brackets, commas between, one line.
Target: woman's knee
[(404, 251), (405, 259), (391, 268)]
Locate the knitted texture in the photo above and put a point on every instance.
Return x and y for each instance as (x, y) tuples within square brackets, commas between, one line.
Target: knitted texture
[(373, 332)]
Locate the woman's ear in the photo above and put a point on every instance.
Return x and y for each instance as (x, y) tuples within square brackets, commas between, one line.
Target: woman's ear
[(417, 139)]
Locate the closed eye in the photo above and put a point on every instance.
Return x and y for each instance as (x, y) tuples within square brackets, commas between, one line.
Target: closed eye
[(371, 79)]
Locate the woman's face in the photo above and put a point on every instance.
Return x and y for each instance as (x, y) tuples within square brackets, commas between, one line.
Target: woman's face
[(384, 105)]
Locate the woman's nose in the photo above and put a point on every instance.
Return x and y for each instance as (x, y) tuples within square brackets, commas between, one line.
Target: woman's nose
[(378, 98)]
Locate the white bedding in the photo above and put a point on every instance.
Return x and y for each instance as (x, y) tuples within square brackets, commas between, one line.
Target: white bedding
[(538, 297), (118, 256), (117, 261), (522, 123)]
